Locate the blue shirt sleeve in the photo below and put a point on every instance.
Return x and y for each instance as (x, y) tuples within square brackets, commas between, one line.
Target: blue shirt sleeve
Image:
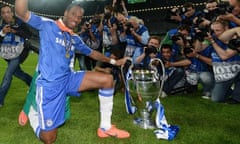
[(37, 21), (138, 51), (145, 37), (81, 46)]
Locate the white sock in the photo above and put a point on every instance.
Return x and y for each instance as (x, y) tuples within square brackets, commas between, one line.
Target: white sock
[(106, 104)]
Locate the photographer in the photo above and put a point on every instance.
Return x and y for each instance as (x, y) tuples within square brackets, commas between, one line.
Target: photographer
[(225, 68), (119, 5), (143, 56), (232, 13), (210, 10), (173, 64), (174, 68), (201, 31), (135, 35), (13, 35), (91, 34), (186, 14), (110, 30), (201, 22), (177, 38), (199, 71)]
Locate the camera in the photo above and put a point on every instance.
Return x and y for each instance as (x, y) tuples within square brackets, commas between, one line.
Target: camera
[(199, 19), (96, 20), (223, 8), (187, 50), (234, 44), (87, 23), (150, 49), (14, 26), (173, 12), (177, 36), (119, 26), (107, 16), (88, 26), (202, 33), (129, 26)]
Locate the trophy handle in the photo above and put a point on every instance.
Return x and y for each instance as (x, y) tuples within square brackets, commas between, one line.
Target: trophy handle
[(156, 73), (125, 70), (126, 75)]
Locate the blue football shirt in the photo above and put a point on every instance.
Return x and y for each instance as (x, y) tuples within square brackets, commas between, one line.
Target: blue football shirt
[(55, 45)]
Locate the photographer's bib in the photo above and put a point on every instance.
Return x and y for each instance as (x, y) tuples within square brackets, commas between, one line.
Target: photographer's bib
[(129, 51), (11, 47), (224, 71)]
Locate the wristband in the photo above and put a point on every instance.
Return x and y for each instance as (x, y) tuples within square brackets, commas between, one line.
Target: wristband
[(113, 61)]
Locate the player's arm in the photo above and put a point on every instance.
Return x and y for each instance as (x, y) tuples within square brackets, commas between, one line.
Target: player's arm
[(21, 10), (100, 57)]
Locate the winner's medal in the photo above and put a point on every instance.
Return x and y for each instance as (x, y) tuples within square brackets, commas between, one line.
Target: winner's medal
[(68, 45), (67, 55)]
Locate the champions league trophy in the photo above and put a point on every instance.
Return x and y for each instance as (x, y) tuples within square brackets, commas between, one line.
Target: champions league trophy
[(143, 89)]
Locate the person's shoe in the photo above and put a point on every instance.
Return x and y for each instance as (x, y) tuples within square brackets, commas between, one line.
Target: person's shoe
[(232, 101), (206, 97), (22, 118), (163, 94), (112, 132)]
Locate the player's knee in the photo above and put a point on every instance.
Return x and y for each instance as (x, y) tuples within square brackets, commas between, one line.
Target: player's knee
[(48, 138), (108, 81)]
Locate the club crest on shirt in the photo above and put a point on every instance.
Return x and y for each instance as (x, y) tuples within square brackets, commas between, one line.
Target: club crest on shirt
[(49, 122)]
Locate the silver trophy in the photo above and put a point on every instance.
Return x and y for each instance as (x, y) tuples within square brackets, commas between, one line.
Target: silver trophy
[(144, 87)]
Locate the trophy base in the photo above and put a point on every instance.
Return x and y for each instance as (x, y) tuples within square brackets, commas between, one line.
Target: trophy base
[(144, 124)]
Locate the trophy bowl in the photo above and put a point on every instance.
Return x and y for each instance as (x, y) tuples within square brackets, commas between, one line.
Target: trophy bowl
[(144, 88)]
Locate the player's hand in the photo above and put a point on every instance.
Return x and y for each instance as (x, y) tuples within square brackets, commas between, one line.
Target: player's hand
[(122, 61)]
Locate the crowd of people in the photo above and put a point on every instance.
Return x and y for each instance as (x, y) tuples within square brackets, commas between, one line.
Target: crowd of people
[(194, 52), (203, 49), (209, 51)]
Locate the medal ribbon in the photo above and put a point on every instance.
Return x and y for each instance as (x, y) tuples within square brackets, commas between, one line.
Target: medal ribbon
[(64, 29), (67, 45)]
